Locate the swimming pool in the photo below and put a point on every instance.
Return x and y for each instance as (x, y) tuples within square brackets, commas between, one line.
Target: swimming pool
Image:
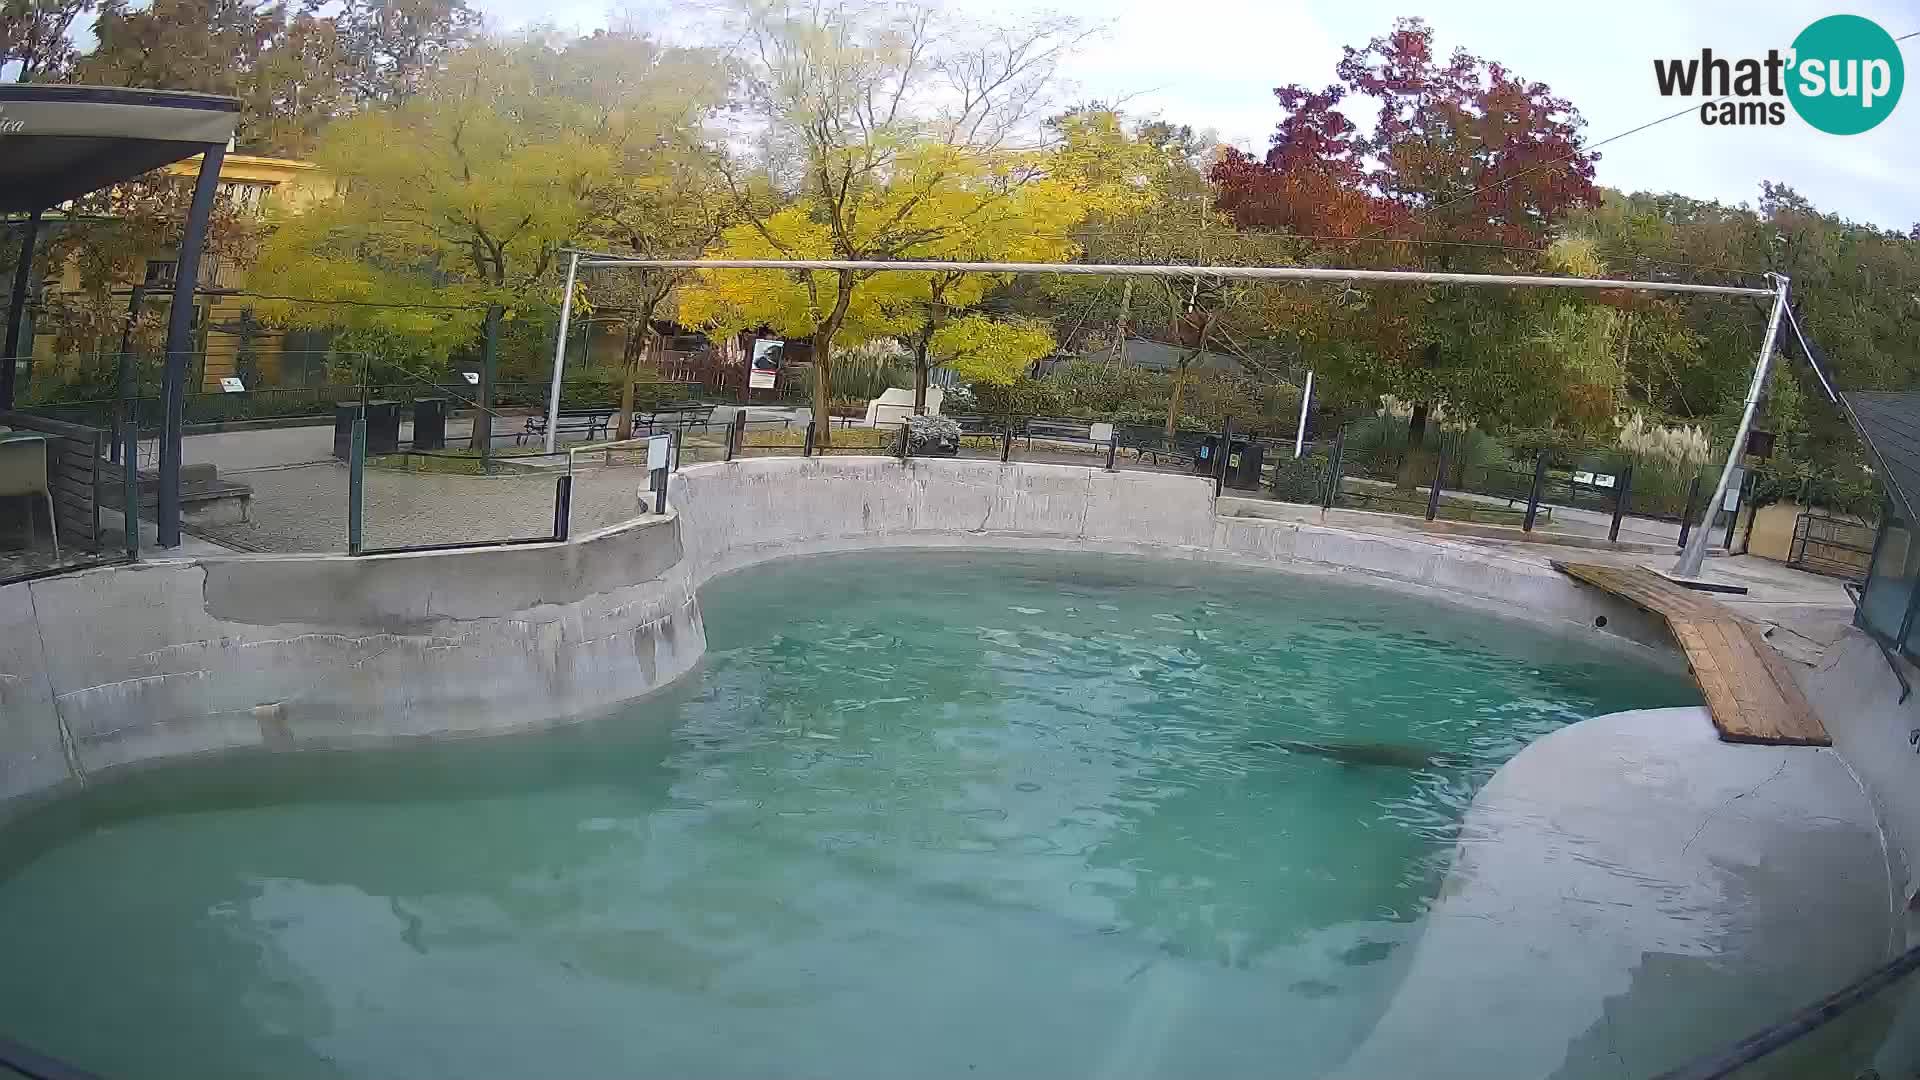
[(921, 813)]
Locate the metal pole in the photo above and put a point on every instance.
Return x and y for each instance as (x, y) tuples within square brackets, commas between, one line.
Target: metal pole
[(1006, 443), (1624, 486), (1533, 493), (356, 478), (560, 354), (173, 385), (130, 485), (1300, 435), (595, 260), (1113, 452), (17, 309), (1439, 473), (1696, 549), (1335, 462), (562, 506), (806, 448), (1686, 516), (125, 411)]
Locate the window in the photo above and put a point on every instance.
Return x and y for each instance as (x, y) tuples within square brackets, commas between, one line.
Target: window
[(1890, 581)]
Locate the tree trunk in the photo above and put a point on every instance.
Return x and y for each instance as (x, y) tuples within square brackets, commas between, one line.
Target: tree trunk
[(489, 359), (1179, 388), (631, 352), (1120, 325), (823, 361)]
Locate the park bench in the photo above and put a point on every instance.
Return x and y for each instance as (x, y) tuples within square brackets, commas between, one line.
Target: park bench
[(592, 422)]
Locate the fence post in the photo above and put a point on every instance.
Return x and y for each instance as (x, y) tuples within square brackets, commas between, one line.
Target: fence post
[(130, 479), (1533, 493), (1439, 474), (1006, 444), (1226, 455), (1686, 516), (562, 506), (1622, 492), (1335, 461), (904, 451), (356, 477), (1113, 452), (806, 448)]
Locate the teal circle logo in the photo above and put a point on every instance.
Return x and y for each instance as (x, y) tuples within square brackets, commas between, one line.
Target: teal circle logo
[(1846, 74)]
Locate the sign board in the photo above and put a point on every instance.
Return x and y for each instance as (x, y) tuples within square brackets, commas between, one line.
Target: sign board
[(659, 452), (1732, 501), (231, 385), (1601, 480), (766, 363), (472, 377)]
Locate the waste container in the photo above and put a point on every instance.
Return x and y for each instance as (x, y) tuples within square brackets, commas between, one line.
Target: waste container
[(1243, 468), (343, 414), (429, 423), (383, 427), (1205, 460)]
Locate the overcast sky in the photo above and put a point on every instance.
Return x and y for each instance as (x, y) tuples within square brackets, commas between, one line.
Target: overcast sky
[(1214, 64)]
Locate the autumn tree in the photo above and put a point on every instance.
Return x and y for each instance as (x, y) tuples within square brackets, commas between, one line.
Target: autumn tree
[(393, 47), (889, 132), (465, 193), (1464, 163), (35, 34)]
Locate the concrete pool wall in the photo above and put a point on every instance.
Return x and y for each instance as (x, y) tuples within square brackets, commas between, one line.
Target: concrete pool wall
[(108, 667)]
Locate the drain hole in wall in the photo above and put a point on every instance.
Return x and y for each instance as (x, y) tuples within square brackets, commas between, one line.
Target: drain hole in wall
[(1600, 622)]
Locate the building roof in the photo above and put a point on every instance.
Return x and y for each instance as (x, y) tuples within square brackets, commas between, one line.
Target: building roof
[(58, 142), (1889, 422)]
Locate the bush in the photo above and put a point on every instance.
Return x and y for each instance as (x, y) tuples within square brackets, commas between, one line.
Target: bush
[(1017, 400), (1299, 480)]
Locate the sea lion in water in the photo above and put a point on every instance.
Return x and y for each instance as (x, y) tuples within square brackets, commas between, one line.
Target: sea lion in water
[(1381, 755)]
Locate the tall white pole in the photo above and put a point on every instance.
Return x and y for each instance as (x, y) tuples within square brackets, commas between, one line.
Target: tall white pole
[(560, 353), (1696, 551), (1306, 398)]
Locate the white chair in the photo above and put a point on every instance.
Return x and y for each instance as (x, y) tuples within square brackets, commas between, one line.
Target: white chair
[(23, 472)]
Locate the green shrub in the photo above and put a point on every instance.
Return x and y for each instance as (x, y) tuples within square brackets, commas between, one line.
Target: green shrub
[(1299, 480)]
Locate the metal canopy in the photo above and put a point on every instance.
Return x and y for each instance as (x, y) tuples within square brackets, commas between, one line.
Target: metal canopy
[(60, 142)]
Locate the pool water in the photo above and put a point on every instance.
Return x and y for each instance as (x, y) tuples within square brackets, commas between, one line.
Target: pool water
[(920, 814)]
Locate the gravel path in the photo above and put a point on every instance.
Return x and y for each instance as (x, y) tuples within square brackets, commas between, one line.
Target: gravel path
[(304, 508)]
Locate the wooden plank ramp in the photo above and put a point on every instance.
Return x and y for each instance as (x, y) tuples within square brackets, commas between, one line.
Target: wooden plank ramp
[(1750, 691)]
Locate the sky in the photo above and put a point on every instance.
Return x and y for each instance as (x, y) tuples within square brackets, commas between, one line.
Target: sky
[(1213, 64)]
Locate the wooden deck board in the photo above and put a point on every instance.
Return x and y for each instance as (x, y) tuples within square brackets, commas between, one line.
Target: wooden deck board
[(1749, 688)]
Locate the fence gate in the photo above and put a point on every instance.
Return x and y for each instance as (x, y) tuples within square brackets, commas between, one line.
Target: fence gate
[(1829, 545)]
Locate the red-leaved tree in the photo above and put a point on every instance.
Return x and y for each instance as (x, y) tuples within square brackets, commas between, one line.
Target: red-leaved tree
[(1466, 167)]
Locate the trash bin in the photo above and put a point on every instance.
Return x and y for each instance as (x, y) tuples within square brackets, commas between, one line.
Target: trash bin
[(343, 414), (1204, 459), (1243, 468), (383, 427), (429, 423)]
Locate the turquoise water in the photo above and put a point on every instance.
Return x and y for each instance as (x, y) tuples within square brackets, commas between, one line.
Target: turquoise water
[(920, 814)]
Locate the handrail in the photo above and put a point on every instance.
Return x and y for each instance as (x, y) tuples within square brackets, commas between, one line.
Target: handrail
[(1856, 593), (1804, 1022)]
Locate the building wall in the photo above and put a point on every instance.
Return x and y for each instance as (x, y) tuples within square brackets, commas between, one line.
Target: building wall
[(262, 185)]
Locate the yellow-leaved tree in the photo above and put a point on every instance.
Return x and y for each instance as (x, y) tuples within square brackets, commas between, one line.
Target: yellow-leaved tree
[(462, 196), (891, 135)]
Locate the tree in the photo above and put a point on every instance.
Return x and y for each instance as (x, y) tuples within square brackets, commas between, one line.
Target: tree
[(889, 133), (464, 194), (393, 47), (1464, 162), (35, 35)]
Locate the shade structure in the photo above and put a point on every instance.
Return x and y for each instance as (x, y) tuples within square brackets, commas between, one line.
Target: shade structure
[(60, 142)]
